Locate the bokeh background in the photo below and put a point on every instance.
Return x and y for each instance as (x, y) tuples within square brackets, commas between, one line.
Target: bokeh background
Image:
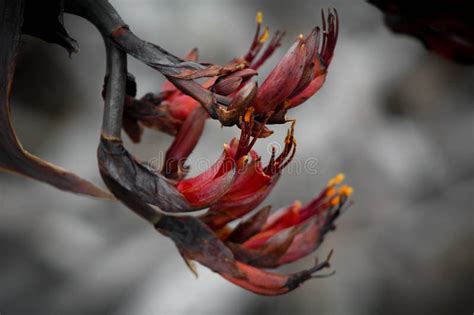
[(397, 120)]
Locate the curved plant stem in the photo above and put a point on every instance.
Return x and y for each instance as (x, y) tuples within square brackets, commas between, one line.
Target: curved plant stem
[(115, 91), (13, 157)]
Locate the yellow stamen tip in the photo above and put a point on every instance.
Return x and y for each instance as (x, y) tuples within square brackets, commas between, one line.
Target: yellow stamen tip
[(346, 191), (335, 201), (296, 207), (330, 192), (264, 37), (301, 36), (248, 115), (340, 177), (297, 204), (259, 17), (336, 180)]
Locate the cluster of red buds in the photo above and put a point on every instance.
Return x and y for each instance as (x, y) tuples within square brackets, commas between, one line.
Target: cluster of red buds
[(233, 237)]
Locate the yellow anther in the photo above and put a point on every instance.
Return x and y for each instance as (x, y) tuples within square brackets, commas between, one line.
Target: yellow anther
[(259, 17), (295, 207), (263, 38), (339, 178), (301, 36), (297, 204), (248, 115), (336, 180), (346, 190), (330, 192), (335, 201)]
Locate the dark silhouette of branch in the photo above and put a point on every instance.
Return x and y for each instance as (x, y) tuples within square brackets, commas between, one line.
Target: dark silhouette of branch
[(13, 157)]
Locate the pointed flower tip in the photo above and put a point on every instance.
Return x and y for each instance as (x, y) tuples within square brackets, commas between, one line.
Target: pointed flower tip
[(339, 178), (346, 190), (331, 253)]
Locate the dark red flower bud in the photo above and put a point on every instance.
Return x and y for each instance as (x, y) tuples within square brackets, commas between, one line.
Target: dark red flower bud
[(231, 83), (320, 62), (284, 78), (183, 144), (230, 115)]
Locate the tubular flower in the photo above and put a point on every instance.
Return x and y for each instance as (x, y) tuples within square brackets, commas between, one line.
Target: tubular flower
[(251, 186), (298, 76), (236, 181), (292, 232), (302, 70), (234, 186)]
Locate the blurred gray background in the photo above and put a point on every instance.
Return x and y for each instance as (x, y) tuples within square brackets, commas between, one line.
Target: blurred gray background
[(396, 119)]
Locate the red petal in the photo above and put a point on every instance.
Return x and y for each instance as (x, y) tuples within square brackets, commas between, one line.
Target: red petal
[(268, 283), (210, 185), (209, 192), (249, 189), (260, 281), (285, 218), (268, 255), (284, 78), (307, 92), (181, 106), (306, 242), (227, 85), (194, 183), (250, 227), (312, 45), (184, 143)]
